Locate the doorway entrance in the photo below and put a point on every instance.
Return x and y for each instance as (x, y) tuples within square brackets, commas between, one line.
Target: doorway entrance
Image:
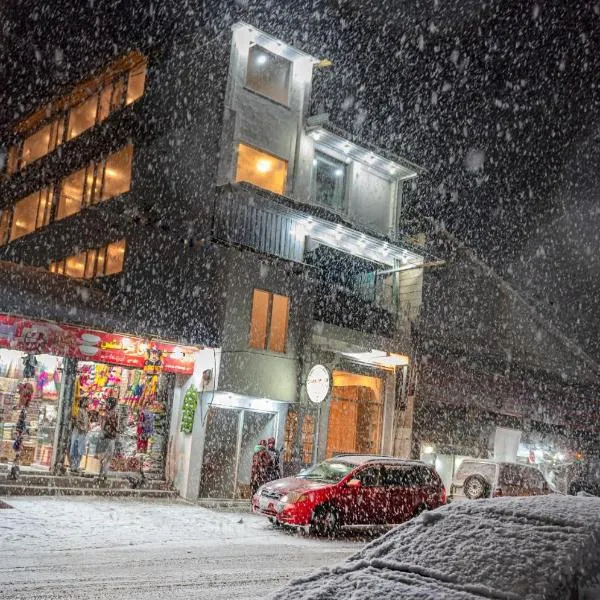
[(355, 414), (230, 437)]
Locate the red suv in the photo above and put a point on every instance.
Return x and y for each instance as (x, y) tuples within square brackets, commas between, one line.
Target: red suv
[(351, 490)]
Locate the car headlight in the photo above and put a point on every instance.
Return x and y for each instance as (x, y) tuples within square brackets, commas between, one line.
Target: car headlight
[(293, 497)]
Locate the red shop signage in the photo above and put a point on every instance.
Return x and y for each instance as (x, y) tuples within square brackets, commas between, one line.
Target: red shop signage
[(40, 337)]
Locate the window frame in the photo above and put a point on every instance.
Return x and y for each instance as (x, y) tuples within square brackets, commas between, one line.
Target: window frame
[(92, 262), (290, 77), (269, 322), (343, 206), (267, 154)]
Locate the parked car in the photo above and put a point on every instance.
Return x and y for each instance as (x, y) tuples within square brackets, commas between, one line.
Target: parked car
[(537, 548), (478, 478), (585, 479), (351, 490)]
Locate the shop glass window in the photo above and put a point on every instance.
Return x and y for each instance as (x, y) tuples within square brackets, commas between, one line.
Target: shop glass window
[(115, 254), (268, 74), (261, 169), (31, 212), (117, 174), (11, 159), (82, 116), (269, 321), (330, 181), (4, 225), (136, 83)]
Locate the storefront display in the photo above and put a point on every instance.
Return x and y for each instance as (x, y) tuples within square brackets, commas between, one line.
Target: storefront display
[(141, 413), (35, 436)]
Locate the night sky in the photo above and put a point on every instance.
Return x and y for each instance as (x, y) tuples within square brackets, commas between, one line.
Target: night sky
[(499, 100)]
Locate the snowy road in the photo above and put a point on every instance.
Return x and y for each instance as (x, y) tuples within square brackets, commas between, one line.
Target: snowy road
[(103, 548)]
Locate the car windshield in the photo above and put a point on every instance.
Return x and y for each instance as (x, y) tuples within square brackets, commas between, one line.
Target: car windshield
[(331, 471)]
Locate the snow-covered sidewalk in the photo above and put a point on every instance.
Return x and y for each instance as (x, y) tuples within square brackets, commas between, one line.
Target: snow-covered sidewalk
[(103, 548)]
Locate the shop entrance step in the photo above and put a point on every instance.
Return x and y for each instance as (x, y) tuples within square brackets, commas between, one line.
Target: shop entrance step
[(68, 485)]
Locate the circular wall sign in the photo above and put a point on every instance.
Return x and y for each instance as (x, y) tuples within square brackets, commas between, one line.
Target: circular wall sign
[(318, 383)]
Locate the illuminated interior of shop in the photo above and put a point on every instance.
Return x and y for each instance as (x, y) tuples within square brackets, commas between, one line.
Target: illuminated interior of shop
[(42, 412), (141, 410), (355, 414)]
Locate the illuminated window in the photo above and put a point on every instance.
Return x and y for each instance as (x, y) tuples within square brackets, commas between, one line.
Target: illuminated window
[(72, 191), (269, 321), (136, 83), (268, 74), (115, 255), (94, 183), (95, 262), (82, 117), (5, 215), (117, 173), (31, 212), (36, 145), (261, 169), (330, 179), (91, 102)]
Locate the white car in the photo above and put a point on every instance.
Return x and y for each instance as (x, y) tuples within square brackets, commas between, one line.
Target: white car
[(533, 548)]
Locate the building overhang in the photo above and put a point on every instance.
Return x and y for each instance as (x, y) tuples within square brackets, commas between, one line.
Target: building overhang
[(328, 136), (255, 36)]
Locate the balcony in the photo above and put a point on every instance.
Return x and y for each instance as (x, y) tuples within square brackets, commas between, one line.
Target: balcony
[(359, 286)]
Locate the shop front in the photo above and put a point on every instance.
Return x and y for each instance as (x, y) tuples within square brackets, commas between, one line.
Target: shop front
[(74, 372)]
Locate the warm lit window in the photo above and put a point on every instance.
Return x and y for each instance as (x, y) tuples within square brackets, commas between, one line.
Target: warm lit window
[(136, 83), (82, 116), (102, 181), (5, 215), (269, 321), (36, 145), (95, 262), (73, 191), (117, 174), (330, 179), (91, 102), (31, 212), (268, 74), (261, 169)]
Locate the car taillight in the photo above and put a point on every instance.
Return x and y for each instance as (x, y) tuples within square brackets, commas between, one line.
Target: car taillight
[(443, 495)]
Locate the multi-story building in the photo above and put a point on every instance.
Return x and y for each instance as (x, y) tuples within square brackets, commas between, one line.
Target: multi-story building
[(199, 200)]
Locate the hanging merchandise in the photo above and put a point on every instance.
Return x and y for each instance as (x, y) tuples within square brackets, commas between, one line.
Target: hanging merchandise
[(25, 391), (190, 402), (151, 371), (29, 364), (133, 395)]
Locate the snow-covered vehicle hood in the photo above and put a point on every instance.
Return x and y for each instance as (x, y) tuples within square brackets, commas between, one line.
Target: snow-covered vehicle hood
[(535, 548), (296, 484)]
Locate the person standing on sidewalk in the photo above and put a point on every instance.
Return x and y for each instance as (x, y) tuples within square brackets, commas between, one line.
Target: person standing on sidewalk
[(261, 464), (275, 467), (81, 424), (110, 430)]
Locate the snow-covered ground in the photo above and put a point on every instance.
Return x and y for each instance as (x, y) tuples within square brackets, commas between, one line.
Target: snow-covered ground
[(105, 548)]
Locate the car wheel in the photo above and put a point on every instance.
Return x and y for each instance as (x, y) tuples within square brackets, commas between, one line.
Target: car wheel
[(475, 487), (325, 521)]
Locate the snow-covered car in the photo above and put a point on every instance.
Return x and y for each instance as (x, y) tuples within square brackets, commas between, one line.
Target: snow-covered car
[(533, 548), (350, 490), (479, 478)]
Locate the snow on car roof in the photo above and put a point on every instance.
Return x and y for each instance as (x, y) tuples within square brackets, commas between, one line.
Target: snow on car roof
[(359, 459), (532, 548)]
